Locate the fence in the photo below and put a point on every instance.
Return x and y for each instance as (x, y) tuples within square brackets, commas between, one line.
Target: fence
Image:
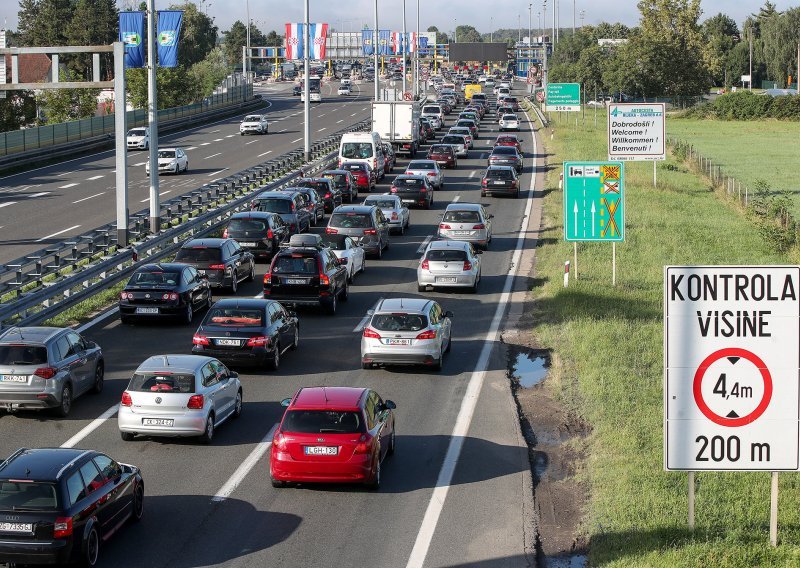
[(43, 136)]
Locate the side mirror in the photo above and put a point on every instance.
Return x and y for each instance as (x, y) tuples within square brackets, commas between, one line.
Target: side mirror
[(448, 314), (233, 375), (390, 404), (490, 216), (479, 251), (342, 261), (286, 402)]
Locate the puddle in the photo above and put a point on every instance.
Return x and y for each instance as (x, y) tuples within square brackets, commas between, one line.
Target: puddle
[(574, 561), (529, 369)]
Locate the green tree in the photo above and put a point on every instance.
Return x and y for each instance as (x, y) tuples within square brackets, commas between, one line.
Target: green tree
[(273, 39), (198, 34), (209, 73), (721, 35), (780, 36), (17, 110), (62, 105), (467, 34), (236, 38), (176, 87), (42, 22), (104, 30)]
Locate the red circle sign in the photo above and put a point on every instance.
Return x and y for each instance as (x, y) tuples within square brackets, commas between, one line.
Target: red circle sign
[(740, 420), (540, 96), (407, 96)]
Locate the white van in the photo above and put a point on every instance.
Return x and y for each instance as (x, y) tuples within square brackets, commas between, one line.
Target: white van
[(364, 147), (435, 112)]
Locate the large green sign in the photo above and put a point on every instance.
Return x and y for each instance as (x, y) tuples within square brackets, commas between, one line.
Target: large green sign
[(594, 201), (563, 97)]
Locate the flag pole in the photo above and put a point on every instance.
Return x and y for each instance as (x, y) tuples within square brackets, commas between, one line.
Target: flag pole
[(306, 87)]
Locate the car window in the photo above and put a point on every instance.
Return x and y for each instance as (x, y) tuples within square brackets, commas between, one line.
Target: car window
[(281, 205), (64, 348), (399, 322), (187, 278), (322, 421), (351, 220), (435, 314), (497, 173), (75, 488), (149, 278), (91, 477), (382, 203), (414, 165), (23, 355), (334, 242), (456, 216), (162, 382), (295, 264), (108, 467), (209, 375), (446, 255), (356, 150), (247, 225), (25, 495), (370, 411), (220, 370), (76, 342), (199, 254), (234, 316)]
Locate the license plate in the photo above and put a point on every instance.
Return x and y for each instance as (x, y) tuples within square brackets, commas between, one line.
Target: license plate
[(16, 527), (398, 342), (157, 421), (321, 450), (201, 272), (446, 280), (248, 244), (498, 183), (14, 378), (296, 281), (228, 342), (462, 233), (146, 310), (408, 201)]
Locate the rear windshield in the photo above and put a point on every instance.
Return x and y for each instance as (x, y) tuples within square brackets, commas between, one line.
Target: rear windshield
[(200, 254), (356, 150), (382, 203), (351, 220), (499, 174), (334, 242), (295, 264), (274, 205), (509, 117), (23, 355), (408, 182), (247, 225), (235, 317), (355, 167), (399, 322), (446, 255), (504, 150), (511, 99), (317, 185), (442, 149), (162, 382), (339, 180), (432, 109), (16, 496), (461, 216), (154, 278), (421, 166), (322, 422), (453, 140), (466, 123)]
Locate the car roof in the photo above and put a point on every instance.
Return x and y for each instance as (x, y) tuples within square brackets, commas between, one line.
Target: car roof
[(460, 206), (162, 266), (34, 334), (40, 464), (422, 161), (409, 176), (337, 171), (275, 195), (447, 243), (343, 398), (499, 167), (354, 208), (205, 242), (174, 362), (406, 305), (243, 303), (252, 214)]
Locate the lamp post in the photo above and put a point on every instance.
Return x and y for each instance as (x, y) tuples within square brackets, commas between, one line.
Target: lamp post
[(573, 17), (519, 28), (455, 31), (404, 47), (583, 15), (375, 53), (152, 118), (530, 39), (246, 63), (306, 86), (416, 56), (491, 29)]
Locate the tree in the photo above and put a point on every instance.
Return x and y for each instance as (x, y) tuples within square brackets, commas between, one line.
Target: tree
[(780, 36), (209, 73), (17, 110), (236, 38), (273, 39), (721, 35), (467, 34), (104, 30), (62, 105), (42, 22), (176, 87), (198, 34)]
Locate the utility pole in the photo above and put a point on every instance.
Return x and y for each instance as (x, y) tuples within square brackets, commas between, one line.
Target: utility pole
[(455, 30), (573, 17), (798, 68), (544, 19), (416, 56), (530, 36), (152, 117), (306, 87), (553, 35), (491, 29), (375, 53), (583, 15), (246, 66), (404, 47), (519, 28), (751, 59)]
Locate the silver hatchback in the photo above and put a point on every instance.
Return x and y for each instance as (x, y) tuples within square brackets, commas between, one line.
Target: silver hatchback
[(448, 264), (47, 367), (466, 222), (179, 395)]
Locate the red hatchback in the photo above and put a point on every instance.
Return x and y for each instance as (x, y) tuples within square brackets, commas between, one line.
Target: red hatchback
[(444, 155), (363, 175), (332, 435), (509, 140)]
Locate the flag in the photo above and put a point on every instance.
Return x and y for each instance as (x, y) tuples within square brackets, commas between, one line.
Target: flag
[(384, 42), (294, 41), (412, 42), (397, 43), (131, 34), (169, 29), (366, 42), (318, 36), (423, 45)]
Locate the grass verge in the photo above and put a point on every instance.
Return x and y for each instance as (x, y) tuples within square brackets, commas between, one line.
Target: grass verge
[(607, 345)]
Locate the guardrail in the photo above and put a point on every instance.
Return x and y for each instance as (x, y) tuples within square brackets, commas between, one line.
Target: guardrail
[(40, 285)]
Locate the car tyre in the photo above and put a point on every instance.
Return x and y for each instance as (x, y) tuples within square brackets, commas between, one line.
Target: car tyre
[(390, 451), (208, 434), (189, 315), (332, 305), (62, 410), (296, 339), (421, 288), (127, 436), (91, 550), (276, 483), (437, 366), (275, 362), (99, 373), (375, 483), (234, 283), (350, 277), (252, 275), (345, 292), (237, 405), (138, 503)]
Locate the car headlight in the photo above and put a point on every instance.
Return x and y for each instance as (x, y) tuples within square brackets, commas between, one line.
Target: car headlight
[(173, 162)]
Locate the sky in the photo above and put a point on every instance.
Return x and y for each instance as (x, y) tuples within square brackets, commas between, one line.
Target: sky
[(351, 15)]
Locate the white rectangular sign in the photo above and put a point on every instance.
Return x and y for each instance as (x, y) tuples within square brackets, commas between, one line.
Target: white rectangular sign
[(636, 131), (731, 368)]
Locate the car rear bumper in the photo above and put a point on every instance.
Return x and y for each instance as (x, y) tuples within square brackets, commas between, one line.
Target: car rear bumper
[(306, 301), (492, 189), (408, 358), (255, 356), (163, 311), (55, 551), (183, 425), (481, 239), (284, 468), (427, 278), (27, 401)]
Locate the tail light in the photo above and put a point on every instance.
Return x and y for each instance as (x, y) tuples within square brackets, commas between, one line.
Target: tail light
[(374, 163), (423, 190), (279, 441), (425, 265), (331, 230), (467, 265), (395, 216), (430, 334), (169, 296), (270, 234), (328, 195), (268, 278), (479, 226), (217, 267), (324, 280), (370, 231), (126, 295), (364, 445), (431, 174), (292, 205), (196, 402), (393, 190), (199, 339), (372, 334), (126, 399), (225, 234), (444, 226), (45, 372), (514, 183), (62, 528), (484, 182), (258, 341)]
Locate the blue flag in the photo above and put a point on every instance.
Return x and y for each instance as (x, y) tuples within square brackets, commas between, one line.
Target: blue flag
[(366, 42), (423, 45), (384, 42), (131, 34), (169, 29)]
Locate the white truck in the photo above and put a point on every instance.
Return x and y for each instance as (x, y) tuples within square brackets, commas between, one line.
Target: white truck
[(397, 122)]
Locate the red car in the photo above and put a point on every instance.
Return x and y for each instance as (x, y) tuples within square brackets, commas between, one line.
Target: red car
[(444, 155), (509, 140), (390, 158), (363, 175), (332, 434)]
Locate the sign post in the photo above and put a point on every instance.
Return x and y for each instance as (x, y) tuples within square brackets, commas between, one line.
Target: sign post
[(563, 97), (637, 132), (732, 371)]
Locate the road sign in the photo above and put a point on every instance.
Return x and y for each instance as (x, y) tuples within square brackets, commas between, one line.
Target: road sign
[(540, 95), (2, 62), (732, 368), (594, 201), (563, 97), (636, 131)]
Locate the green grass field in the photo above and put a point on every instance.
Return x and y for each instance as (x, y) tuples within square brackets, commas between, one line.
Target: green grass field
[(608, 369), (748, 151)]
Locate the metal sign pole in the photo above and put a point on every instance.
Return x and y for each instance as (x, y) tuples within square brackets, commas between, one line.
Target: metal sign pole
[(773, 510), (613, 264), (691, 500), (121, 151), (375, 45), (306, 87), (575, 254), (152, 117)]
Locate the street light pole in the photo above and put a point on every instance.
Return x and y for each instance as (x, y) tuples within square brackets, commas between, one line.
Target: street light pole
[(455, 31), (375, 53), (416, 56), (519, 28), (530, 38), (583, 15), (246, 66), (404, 47), (306, 87), (491, 29), (152, 117), (751, 59), (573, 17)]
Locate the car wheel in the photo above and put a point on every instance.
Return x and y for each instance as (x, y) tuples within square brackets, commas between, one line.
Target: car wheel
[(421, 288), (252, 276), (375, 483), (99, 373), (276, 483), (363, 263), (366, 365), (234, 283), (208, 434), (437, 366), (349, 277), (125, 320), (429, 203), (127, 436), (516, 195), (241, 134), (209, 301), (296, 339), (332, 306), (63, 409), (345, 292), (92, 548), (275, 363), (138, 503), (402, 229), (390, 451), (449, 344), (237, 405), (379, 254), (474, 288), (189, 314)]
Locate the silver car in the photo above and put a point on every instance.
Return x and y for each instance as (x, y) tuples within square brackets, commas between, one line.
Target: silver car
[(407, 331), (170, 160), (396, 213), (349, 253), (466, 222), (463, 131), (428, 168), (458, 142), (509, 122), (47, 367), (449, 264), (254, 124), (179, 395)]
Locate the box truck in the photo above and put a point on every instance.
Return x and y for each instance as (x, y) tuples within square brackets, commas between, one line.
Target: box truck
[(397, 122)]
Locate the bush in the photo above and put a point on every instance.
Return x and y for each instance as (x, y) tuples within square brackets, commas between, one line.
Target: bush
[(745, 105)]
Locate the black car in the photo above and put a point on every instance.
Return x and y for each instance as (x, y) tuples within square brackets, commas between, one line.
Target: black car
[(413, 190), (247, 332), (344, 182), (500, 179), (314, 205), (330, 195), (223, 261), (164, 290), (306, 274), (290, 205), (297, 90), (58, 505), (257, 232)]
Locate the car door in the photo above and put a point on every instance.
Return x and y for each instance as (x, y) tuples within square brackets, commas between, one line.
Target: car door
[(224, 394), (381, 421), (234, 252), (283, 323), (98, 496), (117, 492), (487, 220), (82, 369), (209, 381), (280, 230), (382, 225)]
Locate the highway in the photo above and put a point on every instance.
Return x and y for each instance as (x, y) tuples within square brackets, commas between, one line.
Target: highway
[(50, 204), (456, 493)]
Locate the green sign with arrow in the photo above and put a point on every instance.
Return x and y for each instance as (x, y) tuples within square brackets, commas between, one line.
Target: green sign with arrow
[(594, 201)]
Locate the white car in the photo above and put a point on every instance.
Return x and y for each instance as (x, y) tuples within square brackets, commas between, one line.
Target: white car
[(315, 97), (254, 124), (349, 253), (138, 138), (458, 142), (170, 160), (449, 264), (396, 213), (426, 168), (344, 90), (509, 122)]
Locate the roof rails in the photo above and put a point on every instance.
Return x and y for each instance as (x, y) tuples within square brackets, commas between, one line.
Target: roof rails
[(304, 241), (4, 463)]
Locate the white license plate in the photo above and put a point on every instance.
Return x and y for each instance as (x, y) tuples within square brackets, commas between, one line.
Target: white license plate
[(16, 527), (157, 421), (408, 201), (398, 342), (14, 378), (462, 233), (498, 183), (248, 244), (146, 310), (321, 450), (296, 281), (446, 280), (228, 342)]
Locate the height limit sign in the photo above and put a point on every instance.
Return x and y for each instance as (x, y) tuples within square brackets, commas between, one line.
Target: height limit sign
[(732, 368)]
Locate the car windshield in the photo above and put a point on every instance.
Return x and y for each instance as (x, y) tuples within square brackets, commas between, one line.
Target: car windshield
[(382, 203), (166, 153), (274, 205), (355, 167), (351, 220), (162, 382), (253, 118), (199, 254), (399, 322), (136, 132), (247, 226), (155, 277), (446, 255), (357, 150), (295, 264), (21, 354), (234, 317), (322, 422), (461, 216), (22, 496), (499, 173), (415, 165)]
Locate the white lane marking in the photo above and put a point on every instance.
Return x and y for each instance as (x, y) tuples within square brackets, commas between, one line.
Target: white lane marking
[(191, 148), (338, 121), (218, 139), (215, 131), (93, 178), (97, 319), (468, 404), (323, 128), (472, 174), (41, 193), (205, 143), (265, 153), (355, 113), (284, 130), (251, 142), (56, 234), (136, 165), (455, 199), (146, 199), (7, 203), (68, 186), (298, 140), (90, 197), (360, 327), (91, 427), (213, 155), (245, 467), (424, 244), (320, 115), (217, 172), (230, 136)]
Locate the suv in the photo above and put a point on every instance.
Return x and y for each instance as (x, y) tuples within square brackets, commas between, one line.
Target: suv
[(288, 204), (222, 261), (257, 232), (343, 181), (326, 190), (366, 224), (306, 274), (254, 124), (60, 504), (47, 367)]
